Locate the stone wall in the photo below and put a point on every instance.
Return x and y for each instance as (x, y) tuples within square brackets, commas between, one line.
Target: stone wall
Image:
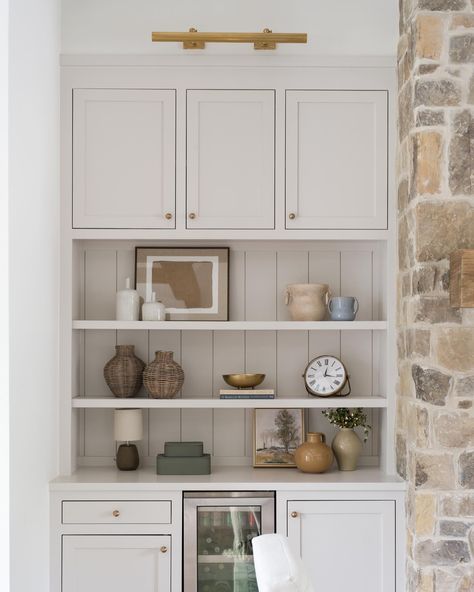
[(435, 418)]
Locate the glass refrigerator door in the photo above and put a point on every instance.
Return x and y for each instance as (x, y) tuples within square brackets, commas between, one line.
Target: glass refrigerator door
[(224, 547)]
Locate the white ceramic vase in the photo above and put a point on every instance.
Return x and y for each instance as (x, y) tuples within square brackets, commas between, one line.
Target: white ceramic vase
[(153, 310), (127, 304), (307, 302)]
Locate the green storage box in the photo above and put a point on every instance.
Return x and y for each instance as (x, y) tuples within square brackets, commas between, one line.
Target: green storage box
[(183, 465), (184, 449)]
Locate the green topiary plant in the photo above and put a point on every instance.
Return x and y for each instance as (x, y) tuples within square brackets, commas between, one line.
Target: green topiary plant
[(348, 418)]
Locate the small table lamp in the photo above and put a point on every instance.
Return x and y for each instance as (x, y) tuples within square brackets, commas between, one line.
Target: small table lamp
[(128, 427)]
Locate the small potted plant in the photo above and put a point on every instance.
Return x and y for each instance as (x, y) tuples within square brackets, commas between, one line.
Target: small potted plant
[(346, 444)]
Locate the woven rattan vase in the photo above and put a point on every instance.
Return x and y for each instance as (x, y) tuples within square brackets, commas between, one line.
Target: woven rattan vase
[(163, 377), (123, 373)]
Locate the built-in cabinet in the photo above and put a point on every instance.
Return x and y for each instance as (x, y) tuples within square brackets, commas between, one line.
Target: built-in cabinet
[(230, 159), (123, 158), (340, 537), (289, 165), (116, 562), (336, 159)]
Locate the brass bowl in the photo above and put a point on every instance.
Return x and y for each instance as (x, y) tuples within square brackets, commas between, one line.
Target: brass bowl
[(243, 380)]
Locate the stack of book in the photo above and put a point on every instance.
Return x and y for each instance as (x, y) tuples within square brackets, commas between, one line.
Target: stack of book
[(247, 393)]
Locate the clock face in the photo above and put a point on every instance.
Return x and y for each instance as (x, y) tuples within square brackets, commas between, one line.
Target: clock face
[(325, 376)]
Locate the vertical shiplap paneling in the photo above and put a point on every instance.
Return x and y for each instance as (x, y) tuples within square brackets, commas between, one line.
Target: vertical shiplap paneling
[(125, 267), (140, 340), (260, 356), (236, 285), (325, 268), (356, 353), (260, 285), (197, 360), (229, 424), (292, 357), (292, 268), (356, 280), (98, 426), (99, 347), (320, 343), (100, 284), (163, 424)]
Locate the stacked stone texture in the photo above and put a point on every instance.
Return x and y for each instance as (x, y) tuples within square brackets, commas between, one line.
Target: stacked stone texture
[(435, 412)]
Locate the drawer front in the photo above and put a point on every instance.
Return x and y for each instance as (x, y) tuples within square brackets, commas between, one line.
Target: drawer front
[(116, 512)]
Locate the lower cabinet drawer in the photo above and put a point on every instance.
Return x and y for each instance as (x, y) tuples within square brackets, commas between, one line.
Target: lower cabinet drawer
[(116, 512)]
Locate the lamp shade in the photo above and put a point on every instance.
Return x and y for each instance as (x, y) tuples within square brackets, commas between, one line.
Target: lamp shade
[(128, 425)]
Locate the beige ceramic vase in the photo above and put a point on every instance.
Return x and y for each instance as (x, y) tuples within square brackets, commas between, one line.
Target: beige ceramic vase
[(347, 447), (307, 302), (314, 456)]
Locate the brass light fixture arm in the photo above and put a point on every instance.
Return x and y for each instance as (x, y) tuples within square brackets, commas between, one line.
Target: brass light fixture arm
[(193, 39)]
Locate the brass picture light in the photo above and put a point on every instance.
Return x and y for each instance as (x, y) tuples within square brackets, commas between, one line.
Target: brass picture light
[(193, 39)]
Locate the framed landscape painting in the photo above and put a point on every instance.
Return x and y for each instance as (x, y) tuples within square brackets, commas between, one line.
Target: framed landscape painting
[(191, 282), (277, 434)]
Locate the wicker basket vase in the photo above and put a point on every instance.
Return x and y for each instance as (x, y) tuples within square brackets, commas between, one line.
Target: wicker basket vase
[(123, 373), (163, 377)]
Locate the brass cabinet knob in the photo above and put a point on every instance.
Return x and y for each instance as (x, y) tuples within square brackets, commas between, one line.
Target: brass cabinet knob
[(168, 215), (115, 513), (192, 215), (164, 549), (294, 514), (292, 216)]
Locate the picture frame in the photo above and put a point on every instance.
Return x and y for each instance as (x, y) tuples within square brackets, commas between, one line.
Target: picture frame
[(192, 282), (276, 435)]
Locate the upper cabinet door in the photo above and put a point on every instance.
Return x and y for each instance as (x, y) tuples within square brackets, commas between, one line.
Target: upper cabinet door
[(336, 159), (124, 158), (230, 159)]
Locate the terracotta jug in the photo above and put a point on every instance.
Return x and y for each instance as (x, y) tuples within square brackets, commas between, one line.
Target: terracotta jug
[(314, 456), (307, 302)]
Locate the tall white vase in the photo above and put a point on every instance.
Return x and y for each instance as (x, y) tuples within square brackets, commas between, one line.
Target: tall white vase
[(127, 304)]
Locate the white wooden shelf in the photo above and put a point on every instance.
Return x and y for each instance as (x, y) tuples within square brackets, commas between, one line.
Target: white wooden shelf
[(232, 325), (211, 403)]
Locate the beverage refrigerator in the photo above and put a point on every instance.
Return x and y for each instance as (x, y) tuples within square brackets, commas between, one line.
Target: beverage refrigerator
[(218, 532)]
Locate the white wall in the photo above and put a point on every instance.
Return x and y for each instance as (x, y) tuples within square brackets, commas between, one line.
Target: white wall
[(335, 27), (4, 395), (34, 229)]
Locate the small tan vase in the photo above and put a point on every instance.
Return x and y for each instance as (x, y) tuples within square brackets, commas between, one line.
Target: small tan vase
[(123, 373), (307, 302), (347, 447), (163, 377), (314, 456)]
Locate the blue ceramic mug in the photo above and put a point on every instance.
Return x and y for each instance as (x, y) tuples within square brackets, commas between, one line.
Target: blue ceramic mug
[(343, 308)]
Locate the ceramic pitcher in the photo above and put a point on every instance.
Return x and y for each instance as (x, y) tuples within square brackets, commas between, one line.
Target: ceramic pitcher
[(343, 308), (307, 302)]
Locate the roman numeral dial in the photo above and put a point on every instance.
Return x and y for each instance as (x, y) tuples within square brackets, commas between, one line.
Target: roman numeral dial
[(325, 376)]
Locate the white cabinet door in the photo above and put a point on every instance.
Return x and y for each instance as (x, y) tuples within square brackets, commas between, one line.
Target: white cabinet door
[(119, 563), (124, 158), (230, 158), (345, 544), (336, 159)]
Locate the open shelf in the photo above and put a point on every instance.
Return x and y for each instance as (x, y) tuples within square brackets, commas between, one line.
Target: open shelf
[(232, 325), (210, 403)]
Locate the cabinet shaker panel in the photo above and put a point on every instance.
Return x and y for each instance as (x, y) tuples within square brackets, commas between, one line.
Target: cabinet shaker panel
[(358, 534), (95, 563), (230, 159), (123, 158), (336, 159)]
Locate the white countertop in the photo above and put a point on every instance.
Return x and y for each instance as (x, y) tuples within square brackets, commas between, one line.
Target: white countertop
[(227, 478)]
